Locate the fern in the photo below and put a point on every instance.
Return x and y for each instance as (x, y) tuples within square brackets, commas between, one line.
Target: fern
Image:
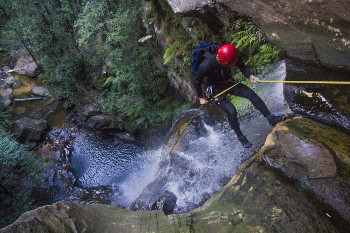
[(170, 53), (109, 80)]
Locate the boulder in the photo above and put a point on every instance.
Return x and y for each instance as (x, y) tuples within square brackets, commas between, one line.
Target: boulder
[(5, 96), (25, 65), (42, 91), (301, 159), (150, 195), (166, 203), (8, 81), (29, 131), (98, 121), (314, 155), (102, 121), (126, 136), (89, 111)]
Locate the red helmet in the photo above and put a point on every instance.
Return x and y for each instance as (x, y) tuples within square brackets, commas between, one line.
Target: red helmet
[(228, 55)]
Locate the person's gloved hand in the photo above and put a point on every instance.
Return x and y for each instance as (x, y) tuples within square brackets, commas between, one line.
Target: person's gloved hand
[(203, 101), (254, 79)]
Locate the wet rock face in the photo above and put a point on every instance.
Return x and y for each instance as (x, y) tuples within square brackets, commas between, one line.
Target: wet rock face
[(166, 203), (326, 103), (312, 154), (317, 31), (208, 152)]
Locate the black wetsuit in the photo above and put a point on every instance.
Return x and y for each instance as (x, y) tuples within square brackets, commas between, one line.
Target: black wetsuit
[(211, 73)]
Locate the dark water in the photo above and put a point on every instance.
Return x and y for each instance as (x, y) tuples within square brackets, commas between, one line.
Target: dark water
[(99, 160), (104, 162)]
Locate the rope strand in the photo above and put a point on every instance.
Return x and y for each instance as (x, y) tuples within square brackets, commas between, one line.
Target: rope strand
[(315, 82)]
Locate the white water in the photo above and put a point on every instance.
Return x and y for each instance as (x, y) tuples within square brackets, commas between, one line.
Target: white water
[(211, 161), (136, 181)]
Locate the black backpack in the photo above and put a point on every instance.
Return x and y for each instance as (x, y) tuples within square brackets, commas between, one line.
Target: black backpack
[(198, 55)]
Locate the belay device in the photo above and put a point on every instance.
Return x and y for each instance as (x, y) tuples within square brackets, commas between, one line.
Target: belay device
[(198, 55)]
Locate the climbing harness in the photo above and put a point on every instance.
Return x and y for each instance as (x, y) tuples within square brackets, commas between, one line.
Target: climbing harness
[(319, 82), (177, 140)]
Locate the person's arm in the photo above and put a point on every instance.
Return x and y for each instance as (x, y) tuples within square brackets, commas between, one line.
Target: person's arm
[(198, 80), (246, 70)]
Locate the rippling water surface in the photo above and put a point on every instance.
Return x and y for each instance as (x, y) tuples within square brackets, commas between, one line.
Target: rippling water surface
[(103, 160)]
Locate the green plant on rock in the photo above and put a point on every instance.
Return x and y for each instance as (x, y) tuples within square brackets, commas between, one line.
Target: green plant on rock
[(171, 52), (253, 45)]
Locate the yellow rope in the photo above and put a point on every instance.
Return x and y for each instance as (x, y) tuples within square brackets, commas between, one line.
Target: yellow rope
[(177, 140), (320, 82)]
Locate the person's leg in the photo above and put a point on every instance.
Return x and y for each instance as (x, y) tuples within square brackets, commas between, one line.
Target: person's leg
[(231, 112), (242, 90), (245, 92)]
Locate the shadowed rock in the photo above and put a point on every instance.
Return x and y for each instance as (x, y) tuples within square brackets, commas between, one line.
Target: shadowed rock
[(28, 130), (166, 203)]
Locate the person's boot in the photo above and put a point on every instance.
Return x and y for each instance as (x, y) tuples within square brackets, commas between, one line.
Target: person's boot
[(244, 141), (273, 120)]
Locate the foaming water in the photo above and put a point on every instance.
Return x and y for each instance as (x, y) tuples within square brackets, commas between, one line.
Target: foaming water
[(134, 183), (207, 165)]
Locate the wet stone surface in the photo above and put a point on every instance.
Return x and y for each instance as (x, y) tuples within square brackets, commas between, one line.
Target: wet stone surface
[(326, 103)]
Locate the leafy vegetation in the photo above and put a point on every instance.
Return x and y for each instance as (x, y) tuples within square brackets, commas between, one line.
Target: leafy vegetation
[(19, 171), (179, 44), (85, 45), (5, 119), (253, 45), (135, 89)]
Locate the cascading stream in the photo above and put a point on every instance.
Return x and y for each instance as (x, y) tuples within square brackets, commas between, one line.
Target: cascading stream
[(207, 157)]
